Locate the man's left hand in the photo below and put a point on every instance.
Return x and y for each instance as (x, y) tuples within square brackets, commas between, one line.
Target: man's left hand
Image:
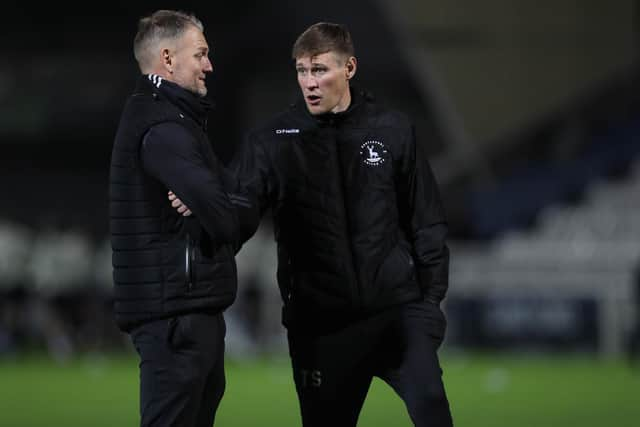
[(178, 205)]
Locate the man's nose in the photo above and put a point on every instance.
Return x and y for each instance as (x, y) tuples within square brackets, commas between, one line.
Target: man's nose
[(208, 66), (310, 82)]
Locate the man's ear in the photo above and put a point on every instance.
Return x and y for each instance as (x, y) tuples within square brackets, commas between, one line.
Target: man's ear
[(350, 69), (167, 61)]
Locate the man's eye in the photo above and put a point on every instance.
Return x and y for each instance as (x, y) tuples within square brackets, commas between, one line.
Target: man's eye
[(301, 71)]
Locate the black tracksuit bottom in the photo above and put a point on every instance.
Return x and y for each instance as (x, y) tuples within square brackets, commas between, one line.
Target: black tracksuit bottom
[(333, 366), (181, 370)]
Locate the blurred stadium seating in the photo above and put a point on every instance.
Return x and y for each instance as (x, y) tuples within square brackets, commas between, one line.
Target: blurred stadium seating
[(574, 270)]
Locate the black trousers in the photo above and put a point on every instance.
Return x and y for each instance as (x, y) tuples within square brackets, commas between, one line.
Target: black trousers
[(333, 369), (181, 370)]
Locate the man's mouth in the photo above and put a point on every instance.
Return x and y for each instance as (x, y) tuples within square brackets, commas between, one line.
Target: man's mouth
[(313, 99)]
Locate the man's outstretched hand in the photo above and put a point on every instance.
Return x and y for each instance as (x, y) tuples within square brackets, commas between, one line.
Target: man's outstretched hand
[(178, 205)]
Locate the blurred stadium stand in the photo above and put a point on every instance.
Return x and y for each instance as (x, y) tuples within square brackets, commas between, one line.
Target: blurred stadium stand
[(529, 112), (566, 283)]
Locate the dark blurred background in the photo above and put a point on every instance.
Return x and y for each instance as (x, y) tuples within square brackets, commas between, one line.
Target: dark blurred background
[(529, 112)]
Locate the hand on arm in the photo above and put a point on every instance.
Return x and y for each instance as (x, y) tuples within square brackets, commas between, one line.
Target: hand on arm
[(178, 205), (246, 181), (170, 154)]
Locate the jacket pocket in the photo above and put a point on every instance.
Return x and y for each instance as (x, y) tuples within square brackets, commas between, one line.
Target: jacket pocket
[(178, 331), (284, 274), (396, 269), (189, 263)]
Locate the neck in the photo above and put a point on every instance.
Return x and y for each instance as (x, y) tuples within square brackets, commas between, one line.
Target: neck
[(162, 72), (344, 102)]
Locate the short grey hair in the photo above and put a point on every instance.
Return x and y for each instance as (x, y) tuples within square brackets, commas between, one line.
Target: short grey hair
[(160, 26)]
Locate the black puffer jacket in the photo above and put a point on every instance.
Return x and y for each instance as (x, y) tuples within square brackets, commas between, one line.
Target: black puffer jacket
[(163, 263), (357, 213)]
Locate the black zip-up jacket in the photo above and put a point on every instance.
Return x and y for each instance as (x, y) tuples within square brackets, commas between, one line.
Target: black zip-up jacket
[(357, 213), (165, 264)]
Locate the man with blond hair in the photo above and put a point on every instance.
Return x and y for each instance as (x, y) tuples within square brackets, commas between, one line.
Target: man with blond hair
[(173, 275)]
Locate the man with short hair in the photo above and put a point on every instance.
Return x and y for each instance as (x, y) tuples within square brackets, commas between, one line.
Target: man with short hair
[(362, 258), (173, 274)]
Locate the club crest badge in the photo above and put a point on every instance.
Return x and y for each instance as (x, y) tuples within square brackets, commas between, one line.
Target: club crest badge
[(373, 153)]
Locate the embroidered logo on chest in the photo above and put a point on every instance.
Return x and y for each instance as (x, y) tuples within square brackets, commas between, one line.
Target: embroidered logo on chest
[(373, 153)]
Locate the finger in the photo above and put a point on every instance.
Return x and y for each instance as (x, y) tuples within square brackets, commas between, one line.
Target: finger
[(187, 213), (171, 196), (176, 203)]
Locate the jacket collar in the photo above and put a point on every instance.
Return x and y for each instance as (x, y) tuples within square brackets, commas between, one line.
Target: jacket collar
[(194, 106)]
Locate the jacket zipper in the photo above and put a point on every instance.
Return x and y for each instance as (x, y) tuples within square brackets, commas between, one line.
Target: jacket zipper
[(341, 187)]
